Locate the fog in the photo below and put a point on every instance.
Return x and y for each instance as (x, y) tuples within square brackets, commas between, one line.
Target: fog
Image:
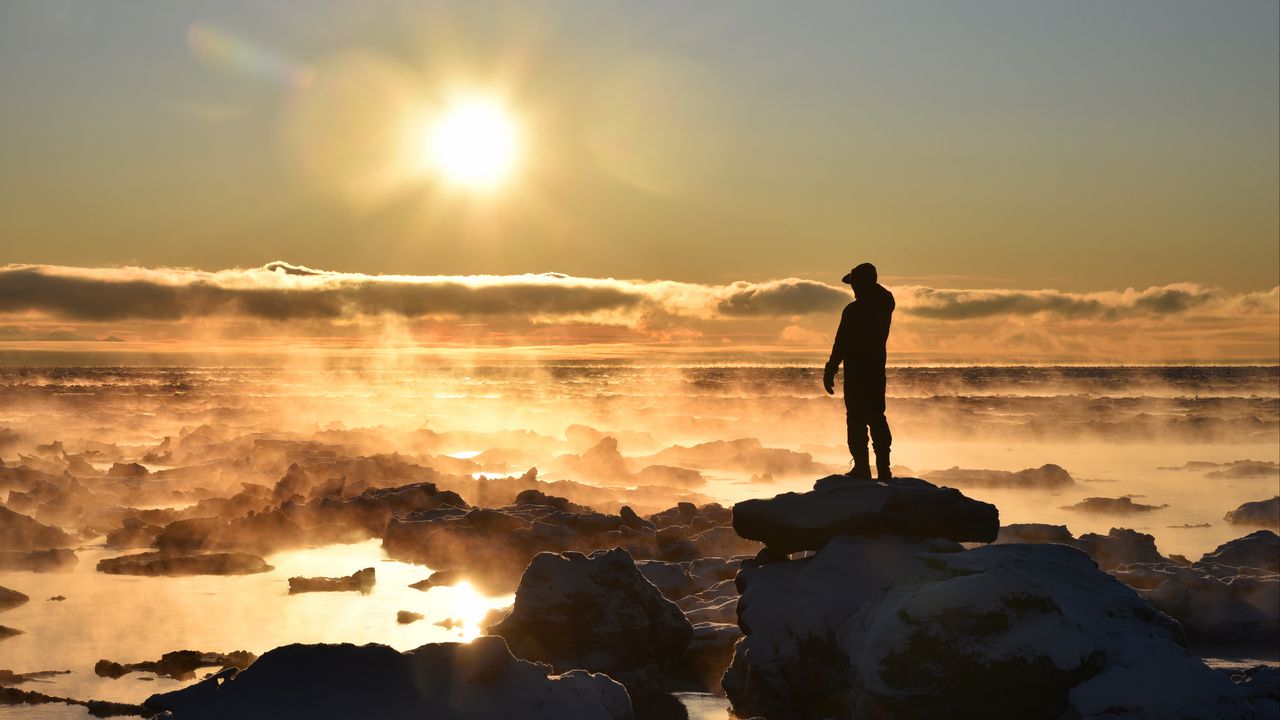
[(305, 468)]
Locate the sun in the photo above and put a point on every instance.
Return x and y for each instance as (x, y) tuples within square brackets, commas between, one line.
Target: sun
[(473, 143)]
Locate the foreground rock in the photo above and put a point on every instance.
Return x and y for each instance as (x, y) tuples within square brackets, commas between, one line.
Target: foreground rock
[(838, 504), (160, 563), (896, 628), (597, 612), (359, 581), (479, 680), (1263, 513), (179, 664)]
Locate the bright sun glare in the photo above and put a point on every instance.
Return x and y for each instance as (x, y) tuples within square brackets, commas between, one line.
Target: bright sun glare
[(473, 143)]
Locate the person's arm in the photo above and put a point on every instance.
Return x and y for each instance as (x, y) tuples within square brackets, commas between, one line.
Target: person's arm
[(837, 354)]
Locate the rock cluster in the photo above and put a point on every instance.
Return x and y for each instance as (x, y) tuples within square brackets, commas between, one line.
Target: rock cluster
[(909, 624)]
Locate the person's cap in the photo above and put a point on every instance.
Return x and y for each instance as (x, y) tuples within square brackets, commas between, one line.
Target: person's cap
[(864, 273)]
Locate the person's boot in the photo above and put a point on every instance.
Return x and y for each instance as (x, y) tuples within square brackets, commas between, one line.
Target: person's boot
[(861, 469), (883, 471)]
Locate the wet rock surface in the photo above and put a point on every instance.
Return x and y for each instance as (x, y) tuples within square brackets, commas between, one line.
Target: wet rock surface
[(477, 680), (838, 504)]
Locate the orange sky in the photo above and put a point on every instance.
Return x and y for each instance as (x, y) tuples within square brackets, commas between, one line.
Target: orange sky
[(1048, 182)]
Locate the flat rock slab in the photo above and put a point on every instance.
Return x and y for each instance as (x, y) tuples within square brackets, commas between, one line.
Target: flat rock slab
[(840, 505)]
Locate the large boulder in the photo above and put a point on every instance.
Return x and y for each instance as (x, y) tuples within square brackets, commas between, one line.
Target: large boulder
[(1259, 549), (479, 680), (839, 504), (592, 611), (897, 628), (599, 613)]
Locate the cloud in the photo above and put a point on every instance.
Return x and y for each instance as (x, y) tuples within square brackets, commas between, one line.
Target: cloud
[(281, 291), (1174, 299)]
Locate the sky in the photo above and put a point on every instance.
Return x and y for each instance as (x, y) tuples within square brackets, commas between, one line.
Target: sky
[(1017, 171)]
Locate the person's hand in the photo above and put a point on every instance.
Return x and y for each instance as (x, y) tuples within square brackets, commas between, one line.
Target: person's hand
[(829, 380)]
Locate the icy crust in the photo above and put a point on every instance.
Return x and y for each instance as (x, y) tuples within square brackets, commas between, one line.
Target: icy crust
[(479, 680), (889, 627), (839, 504), (1229, 601)]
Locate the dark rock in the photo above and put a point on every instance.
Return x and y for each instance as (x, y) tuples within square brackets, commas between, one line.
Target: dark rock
[(838, 504), (404, 617), (443, 681), (1045, 477), (1262, 513), (1259, 549), (19, 532), (1111, 506), (598, 613), (360, 581), (11, 599), (127, 470), (56, 560), (1120, 546), (179, 664), (159, 563), (1034, 533)]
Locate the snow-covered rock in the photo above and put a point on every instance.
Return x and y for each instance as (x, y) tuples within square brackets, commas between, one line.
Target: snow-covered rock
[(896, 628), (599, 613), (595, 611), (1259, 549), (1218, 606), (839, 504), (479, 680)]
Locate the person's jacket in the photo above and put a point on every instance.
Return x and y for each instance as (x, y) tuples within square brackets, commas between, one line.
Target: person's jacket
[(864, 331)]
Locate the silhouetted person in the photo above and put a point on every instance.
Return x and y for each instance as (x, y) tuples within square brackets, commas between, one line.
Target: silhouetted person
[(860, 345)]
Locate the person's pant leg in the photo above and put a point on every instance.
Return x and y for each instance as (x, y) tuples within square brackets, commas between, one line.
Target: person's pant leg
[(881, 438), (864, 391), (855, 420)]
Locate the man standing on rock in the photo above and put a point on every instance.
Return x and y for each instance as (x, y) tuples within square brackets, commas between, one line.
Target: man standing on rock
[(860, 345)]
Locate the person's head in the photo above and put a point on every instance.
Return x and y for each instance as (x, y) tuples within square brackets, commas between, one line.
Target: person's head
[(861, 277)]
